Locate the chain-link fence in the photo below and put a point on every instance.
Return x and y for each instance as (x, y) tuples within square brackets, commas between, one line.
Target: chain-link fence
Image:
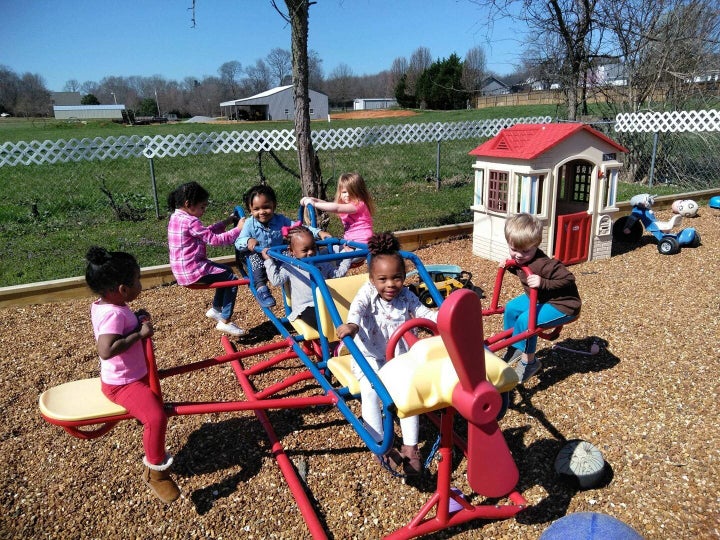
[(419, 176)]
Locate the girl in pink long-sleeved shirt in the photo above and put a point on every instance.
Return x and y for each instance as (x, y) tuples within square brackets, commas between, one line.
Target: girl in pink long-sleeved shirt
[(353, 205), (187, 241)]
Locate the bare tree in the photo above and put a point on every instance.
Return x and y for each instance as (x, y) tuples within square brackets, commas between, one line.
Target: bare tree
[(230, 73), (316, 77), (298, 15), (398, 69), (663, 47), (569, 25), (279, 62), (259, 77), (473, 70), (340, 84), (420, 60), (72, 85)]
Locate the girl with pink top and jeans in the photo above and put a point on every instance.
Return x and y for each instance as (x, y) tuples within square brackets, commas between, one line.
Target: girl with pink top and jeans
[(353, 205), (115, 277), (187, 240)]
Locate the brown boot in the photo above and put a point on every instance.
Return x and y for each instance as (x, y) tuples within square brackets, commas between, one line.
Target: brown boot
[(160, 481), (412, 465)]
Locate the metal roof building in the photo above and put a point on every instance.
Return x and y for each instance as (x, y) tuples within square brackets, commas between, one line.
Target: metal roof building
[(362, 104), (274, 104), (89, 112)]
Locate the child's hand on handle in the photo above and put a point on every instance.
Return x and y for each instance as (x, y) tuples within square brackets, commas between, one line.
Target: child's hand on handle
[(252, 244), (146, 327), (264, 253), (348, 329), (533, 281), (308, 200), (240, 223)]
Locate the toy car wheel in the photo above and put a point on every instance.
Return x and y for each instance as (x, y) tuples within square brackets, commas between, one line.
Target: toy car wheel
[(696, 240), (669, 246), (426, 299), (618, 233)]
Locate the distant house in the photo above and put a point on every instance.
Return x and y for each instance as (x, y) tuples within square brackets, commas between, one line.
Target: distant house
[(364, 104), (66, 98), (89, 112), (493, 87), (274, 104), (611, 74)]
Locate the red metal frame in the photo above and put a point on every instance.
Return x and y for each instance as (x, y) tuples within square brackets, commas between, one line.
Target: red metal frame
[(505, 338)]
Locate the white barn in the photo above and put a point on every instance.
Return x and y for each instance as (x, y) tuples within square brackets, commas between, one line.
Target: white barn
[(89, 112), (363, 104), (274, 104)]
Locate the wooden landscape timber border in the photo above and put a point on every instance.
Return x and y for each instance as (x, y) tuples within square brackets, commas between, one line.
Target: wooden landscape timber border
[(152, 276)]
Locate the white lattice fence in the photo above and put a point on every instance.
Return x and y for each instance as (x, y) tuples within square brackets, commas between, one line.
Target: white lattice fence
[(675, 121), (63, 151)]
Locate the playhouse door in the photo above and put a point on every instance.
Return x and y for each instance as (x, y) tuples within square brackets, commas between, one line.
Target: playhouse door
[(572, 239)]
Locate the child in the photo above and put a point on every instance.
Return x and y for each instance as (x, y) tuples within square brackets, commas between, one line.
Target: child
[(354, 206), (187, 238), (264, 229), (558, 297), (378, 309), (115, 276), (301, 244)]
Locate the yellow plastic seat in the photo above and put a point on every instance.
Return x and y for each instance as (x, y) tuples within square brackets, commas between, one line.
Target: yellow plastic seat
[(342, 290), (340, 368), (423, 379), (76, 401)]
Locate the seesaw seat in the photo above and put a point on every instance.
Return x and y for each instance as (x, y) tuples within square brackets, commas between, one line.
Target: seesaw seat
[(342, 290), (423, 379), (77, 401)]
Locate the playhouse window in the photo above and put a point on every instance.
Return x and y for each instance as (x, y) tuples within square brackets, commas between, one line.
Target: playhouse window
[(479, 187), (530, 189), (610, 187), (497, 194)]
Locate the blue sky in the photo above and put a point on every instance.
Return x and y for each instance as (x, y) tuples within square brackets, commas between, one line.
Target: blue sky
[(90, 39)]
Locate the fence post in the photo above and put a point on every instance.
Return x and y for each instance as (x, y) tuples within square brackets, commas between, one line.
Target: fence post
[(437, 168), (154, 188), (652, 159)]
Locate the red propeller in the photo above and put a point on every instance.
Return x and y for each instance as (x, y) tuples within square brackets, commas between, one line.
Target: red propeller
[(491, 470)]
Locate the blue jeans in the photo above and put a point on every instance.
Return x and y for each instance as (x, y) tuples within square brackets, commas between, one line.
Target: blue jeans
[(517, 314), (224, 300)]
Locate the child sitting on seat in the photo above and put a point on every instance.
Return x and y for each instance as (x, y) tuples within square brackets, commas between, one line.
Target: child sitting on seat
[(301, 244), (264, 229), (558, 298), (380, 307), (353, 204), (187, 238), (115, 276)]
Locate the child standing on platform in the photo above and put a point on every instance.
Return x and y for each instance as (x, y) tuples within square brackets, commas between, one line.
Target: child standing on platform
[(115, 277), (558, 297), (264, 229), (380, 307), (187, 240), (353, 204)]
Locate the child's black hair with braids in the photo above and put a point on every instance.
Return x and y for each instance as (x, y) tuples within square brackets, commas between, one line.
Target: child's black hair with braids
[(384, 244), (190, 192), (259, 190), (107, 270)]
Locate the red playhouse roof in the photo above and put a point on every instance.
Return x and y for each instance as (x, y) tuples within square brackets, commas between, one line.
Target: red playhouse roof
[(528, 141)]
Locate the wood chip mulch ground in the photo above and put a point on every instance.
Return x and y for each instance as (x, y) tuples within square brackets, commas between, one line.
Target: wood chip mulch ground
[(648, 400)]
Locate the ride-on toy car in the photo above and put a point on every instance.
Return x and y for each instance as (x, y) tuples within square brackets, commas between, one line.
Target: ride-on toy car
[(630, 228), (447, 278)]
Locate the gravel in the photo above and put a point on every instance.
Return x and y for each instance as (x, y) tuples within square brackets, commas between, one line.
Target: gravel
[(648, 401)]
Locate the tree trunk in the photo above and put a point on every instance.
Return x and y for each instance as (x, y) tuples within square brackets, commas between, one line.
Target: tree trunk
[(309, 164)]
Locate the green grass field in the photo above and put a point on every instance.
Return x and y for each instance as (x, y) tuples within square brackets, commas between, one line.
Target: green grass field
[(50, 214)]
